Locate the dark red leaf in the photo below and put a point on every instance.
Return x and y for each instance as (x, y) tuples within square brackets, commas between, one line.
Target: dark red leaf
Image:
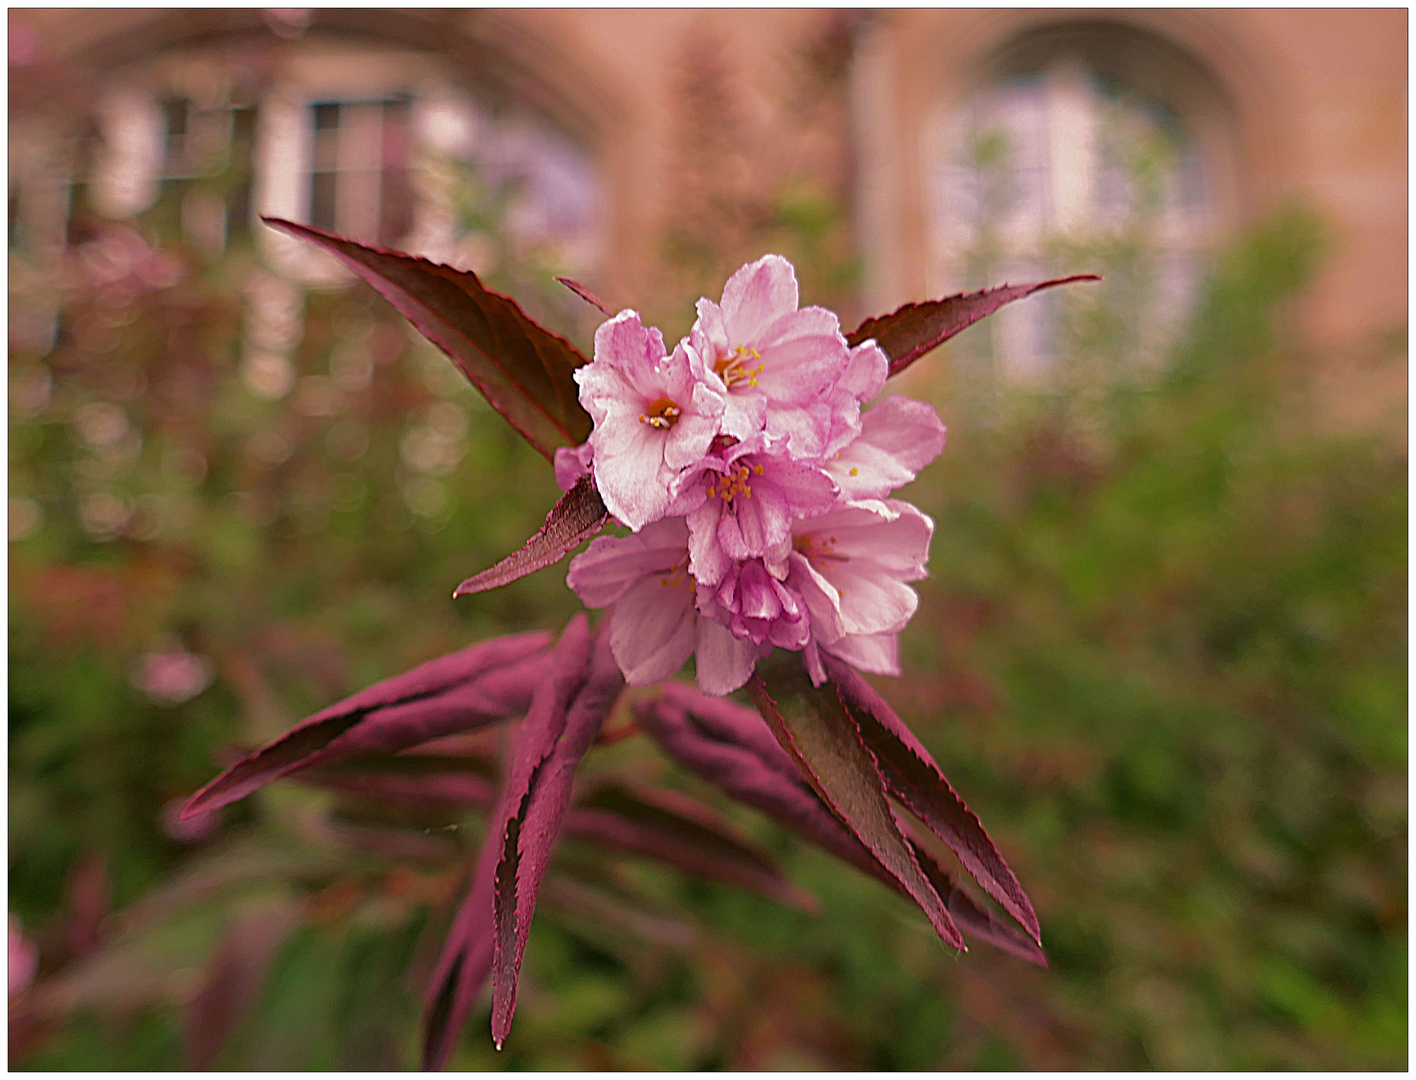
[(522, 368), (717, 740), (471, 946), (482, 684), (672, 827), (974, 919), (730, 746), (585, 294), (913, 777), (579, 515), (551, 744), (909, 332), (466, 960), (410, 780), (817, 730), (600, 908), (232, 982), (465, 963)]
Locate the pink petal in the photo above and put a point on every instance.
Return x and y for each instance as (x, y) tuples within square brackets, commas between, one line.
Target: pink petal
[(572, 463), (629, 469), (724, 662), (756, 296), (707, 560), (606, 570), (652, 632), (875, 654), (898, 438)]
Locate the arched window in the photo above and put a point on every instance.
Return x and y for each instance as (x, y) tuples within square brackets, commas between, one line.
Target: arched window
[(1078, 148)]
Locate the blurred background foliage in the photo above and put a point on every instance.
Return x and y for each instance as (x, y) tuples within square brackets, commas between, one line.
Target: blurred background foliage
[(1162, 654)]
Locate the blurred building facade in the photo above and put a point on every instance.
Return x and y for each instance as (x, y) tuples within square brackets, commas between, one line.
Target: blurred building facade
[(965, 147)]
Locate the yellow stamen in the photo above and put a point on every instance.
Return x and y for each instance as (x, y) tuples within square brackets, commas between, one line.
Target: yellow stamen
[(662, 414), (734, 367), (734, 484)]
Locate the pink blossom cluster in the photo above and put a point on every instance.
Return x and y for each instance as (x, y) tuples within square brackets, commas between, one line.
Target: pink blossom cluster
[(756, 489)]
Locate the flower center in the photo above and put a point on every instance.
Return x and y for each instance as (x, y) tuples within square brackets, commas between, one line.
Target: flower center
[(817, 549), (735, 482), (676, 574), (736, 367), (662, 414)]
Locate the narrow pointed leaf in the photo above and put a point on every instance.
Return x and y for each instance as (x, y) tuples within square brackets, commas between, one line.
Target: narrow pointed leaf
[(672, 827), (552, 750), (414, 781), (523, 369), (598, 909), (730, 747), (975, 920), (821, 736), (482, 684), (912, 776), (909, 332), (465, 963), (466, 960), (585, 294), (579, 515), (716, 740)]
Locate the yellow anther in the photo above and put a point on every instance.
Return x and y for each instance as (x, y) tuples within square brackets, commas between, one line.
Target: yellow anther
[(855, 472), (661, 415), (734, 368)]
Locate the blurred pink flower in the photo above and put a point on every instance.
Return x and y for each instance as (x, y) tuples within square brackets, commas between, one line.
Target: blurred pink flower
[(170, 678)]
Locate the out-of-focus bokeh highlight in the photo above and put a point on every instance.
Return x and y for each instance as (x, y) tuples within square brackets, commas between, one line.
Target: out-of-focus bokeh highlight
[(1162, 652)]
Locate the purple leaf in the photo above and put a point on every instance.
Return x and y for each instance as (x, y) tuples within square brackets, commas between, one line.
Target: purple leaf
[(913, 777), (410, 780), (522, 368), (480, 685), (556, 734), (672, 827), (975, 920), (468, 953), (909, 332), (821, 736), (585, 294), (579, 515), (721, 743), (465, 962), (730, 746), (232, 982)]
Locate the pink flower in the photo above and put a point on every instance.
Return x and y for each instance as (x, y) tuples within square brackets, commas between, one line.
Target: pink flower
[(757, 607), (898, 437), (571, 463), (773, 363), (654, 414), (863, 378), (655, 626), (850, 567), (740, 503)]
